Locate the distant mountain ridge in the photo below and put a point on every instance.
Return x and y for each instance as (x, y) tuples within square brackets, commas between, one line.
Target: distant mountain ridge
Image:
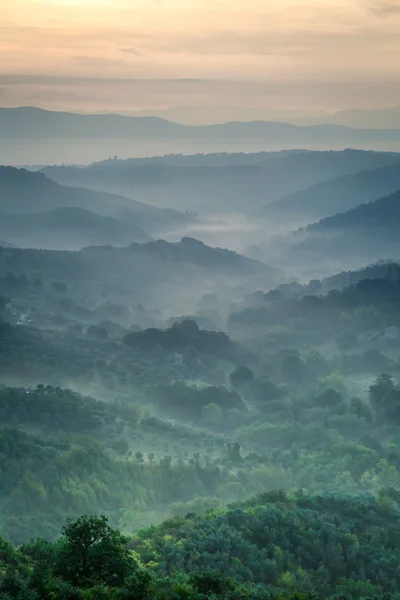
[(377, 118), (219, 182), (337, 195), (34, 136), (24, 122)]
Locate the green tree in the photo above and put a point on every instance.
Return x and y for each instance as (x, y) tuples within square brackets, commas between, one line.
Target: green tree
[(211, 414), (93, 553), (240, 376)]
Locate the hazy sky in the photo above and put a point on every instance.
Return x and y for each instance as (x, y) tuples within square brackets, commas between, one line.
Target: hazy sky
[(288, 53)]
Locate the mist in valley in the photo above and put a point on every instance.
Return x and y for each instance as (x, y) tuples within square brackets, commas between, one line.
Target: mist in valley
[(199, 302)]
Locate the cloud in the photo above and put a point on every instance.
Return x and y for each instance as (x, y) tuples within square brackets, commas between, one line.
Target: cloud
[(385, 9), (98, 61), (133, 51)]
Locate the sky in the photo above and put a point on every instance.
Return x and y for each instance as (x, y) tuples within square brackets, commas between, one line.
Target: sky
[(137, 54)]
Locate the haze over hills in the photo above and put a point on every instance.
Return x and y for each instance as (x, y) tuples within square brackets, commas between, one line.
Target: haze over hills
[(374, 118), (368, 231), (141, 136), (336, 195), (158, 273), (377, 118), (218, 183), (67, 228), (383, 213), (23, 191), (200, 300)]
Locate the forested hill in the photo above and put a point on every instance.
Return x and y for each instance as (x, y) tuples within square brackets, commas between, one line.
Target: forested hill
[(337, 195), (368, 232), (324, 545), (160, 255), (381, 216), (160, 274), (28, 192), (273, 546)]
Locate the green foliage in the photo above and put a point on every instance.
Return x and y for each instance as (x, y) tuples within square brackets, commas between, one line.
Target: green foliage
[(240, 376), (91, 553), (182, 335)]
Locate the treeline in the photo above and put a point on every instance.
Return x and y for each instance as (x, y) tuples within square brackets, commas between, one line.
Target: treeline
[(378, 298), (183, 335)]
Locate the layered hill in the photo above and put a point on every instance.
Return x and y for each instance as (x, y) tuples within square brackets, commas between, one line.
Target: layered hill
[(159, 274), (67, 228), (23, 191), (381, 216), (219, 182), (336, 195), (369, 231)]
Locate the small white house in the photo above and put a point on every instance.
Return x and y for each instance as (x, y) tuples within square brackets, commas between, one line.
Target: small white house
[(392, 333)]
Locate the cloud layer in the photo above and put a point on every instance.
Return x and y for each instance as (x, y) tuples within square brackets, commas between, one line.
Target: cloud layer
[(281, 43)]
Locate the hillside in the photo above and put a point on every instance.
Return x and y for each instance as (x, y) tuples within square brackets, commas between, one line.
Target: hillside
[(67, 228), (272, 546), (379, 218), (221, 182), (23, 191), (160, 274), (336, 195)]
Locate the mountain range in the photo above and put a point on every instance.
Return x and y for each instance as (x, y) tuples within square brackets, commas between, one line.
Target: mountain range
[(142, 136), (378, 118), (27, 122)]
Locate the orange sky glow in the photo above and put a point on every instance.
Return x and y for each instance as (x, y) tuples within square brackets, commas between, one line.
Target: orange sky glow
[(275, 43)]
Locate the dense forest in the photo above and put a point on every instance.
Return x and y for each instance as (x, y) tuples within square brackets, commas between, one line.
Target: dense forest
[(183, 421)]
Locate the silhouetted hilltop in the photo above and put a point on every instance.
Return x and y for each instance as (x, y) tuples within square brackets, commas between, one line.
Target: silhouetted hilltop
[(67, 228), (23, 191), (337, 195), (383, 214), (27, 122)]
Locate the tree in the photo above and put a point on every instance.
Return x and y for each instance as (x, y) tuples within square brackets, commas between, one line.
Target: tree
[(211, 414), (384, 397), (139, 456), (240, 376), (265, 391), (121, 447), (93, 553)]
